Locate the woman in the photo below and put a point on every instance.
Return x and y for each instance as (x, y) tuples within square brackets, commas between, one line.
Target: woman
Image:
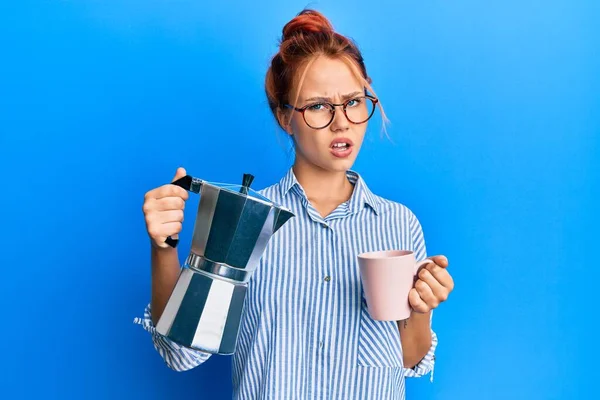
[(306, 331)]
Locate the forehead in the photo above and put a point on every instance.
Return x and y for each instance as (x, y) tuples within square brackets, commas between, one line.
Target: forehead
[(328, 77)]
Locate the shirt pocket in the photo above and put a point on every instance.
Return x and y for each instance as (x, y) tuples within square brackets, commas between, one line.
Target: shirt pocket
[(378, 342)]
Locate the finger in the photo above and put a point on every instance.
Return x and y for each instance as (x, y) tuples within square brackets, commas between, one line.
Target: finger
[(180, 173), (171, 216), (438, 290), (426, 294), (169, 203), (168, 190), (442, 276), (416, 303), (161, 231), (171, 228), (442, 261)]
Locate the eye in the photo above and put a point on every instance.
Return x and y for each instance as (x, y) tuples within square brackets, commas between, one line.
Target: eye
[(354, 102), (318, 107)]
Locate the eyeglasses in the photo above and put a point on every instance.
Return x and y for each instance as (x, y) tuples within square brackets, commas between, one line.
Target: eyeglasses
[(357, 110)]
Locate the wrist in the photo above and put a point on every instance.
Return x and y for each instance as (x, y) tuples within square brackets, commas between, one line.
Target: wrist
[(417, 317), (161, 249)]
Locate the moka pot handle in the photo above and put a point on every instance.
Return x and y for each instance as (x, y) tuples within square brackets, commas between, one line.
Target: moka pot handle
[(192, 184), (186, 183)]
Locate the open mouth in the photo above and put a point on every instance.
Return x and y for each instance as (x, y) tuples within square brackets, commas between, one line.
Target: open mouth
[(341, 147)]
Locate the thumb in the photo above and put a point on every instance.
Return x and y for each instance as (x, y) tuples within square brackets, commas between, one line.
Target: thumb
[(180, 173), (440, 260)]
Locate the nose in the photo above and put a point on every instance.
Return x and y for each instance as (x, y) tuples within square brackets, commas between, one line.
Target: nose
[(340, 122)]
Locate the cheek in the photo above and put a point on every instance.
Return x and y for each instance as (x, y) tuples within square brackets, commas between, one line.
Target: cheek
[(305, 142), (297, 126), (360, 135), (304, 136), (312, 142)]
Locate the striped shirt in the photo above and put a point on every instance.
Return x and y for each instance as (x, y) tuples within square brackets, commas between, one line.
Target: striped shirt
[(306, 332)]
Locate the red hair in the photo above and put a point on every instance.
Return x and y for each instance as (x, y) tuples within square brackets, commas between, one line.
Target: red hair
[(307, 35)]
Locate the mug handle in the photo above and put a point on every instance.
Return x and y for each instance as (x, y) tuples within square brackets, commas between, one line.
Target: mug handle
[(186, 183), (420, 265)]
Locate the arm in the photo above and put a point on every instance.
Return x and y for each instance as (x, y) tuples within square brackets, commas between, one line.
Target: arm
[(416, 338), (425, 364), (165, 271), (163, 210)]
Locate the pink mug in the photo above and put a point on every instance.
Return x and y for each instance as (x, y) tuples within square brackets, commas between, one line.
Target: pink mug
[(387, 277)]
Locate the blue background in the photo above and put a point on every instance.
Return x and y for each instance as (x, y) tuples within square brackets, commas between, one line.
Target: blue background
[(495, 111)]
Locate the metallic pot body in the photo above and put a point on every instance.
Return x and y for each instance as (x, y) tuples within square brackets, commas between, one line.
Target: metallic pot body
[(232, 228)]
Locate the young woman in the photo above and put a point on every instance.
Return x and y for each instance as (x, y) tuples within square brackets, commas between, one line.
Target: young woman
[(306, 332)]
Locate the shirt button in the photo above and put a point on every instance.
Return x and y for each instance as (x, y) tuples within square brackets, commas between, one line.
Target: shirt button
[(320, 344), (324, 225), (327, 278)]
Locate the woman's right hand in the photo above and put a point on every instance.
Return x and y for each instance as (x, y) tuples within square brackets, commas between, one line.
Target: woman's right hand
[(163, 211)]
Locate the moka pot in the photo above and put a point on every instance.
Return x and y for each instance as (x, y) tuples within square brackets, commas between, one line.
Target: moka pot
[(232, 229)]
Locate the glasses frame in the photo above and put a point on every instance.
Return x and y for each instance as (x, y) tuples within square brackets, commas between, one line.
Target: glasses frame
[(302, 110)]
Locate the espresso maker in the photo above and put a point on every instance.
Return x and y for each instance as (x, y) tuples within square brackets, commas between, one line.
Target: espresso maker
[(232, 229)]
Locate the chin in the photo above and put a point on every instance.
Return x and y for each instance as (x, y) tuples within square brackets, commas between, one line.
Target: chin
[(338, 165), (330, 163)]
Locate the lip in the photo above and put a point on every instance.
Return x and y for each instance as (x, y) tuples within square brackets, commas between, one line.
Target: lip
[(341, 140), (341, 153)]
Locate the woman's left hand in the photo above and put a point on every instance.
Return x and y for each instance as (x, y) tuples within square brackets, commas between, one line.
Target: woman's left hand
[(432, 287)]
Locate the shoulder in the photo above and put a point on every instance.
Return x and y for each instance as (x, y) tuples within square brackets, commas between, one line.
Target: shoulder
[(404, 221), (398, 214), (394, 207), (389, 209), (272, 192)]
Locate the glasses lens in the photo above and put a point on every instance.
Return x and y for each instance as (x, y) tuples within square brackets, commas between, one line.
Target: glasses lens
[(318, 115), (360, 109)]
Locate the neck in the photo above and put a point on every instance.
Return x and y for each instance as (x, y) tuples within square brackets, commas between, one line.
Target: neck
[(321, 185)]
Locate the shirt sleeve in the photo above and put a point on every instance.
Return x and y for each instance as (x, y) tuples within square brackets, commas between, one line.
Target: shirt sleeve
[(176, 357), (426, 365)]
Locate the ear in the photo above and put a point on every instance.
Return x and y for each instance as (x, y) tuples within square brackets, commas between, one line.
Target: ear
[(284, 121)]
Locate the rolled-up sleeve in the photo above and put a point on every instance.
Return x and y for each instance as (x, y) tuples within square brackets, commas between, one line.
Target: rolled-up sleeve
[(427, 364), (177, 357)]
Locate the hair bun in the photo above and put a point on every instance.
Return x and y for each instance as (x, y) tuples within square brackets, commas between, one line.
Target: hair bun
[(307, 21)]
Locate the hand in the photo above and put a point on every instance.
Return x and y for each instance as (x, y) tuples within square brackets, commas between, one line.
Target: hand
[(163, 211), (432, 287)]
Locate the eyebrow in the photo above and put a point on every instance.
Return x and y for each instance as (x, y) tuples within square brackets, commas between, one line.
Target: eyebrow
[(328, 99)]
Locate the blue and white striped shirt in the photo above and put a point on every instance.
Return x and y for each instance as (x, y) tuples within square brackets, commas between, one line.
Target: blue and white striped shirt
[(306, 332)]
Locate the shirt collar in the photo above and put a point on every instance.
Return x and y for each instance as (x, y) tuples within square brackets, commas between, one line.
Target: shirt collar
[(361, 196)]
